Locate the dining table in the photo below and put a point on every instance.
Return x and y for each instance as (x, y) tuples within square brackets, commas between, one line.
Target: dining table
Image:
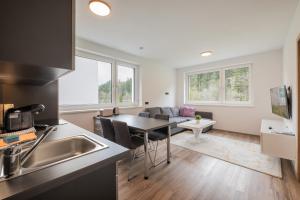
[(145, 125)]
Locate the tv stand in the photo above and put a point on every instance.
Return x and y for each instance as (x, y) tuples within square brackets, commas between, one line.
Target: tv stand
[(277, 139)]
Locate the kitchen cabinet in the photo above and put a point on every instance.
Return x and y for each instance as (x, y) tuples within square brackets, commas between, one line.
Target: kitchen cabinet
[(37, 40)]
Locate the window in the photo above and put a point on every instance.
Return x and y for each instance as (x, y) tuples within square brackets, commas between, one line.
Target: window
[(204, 86), (237, 85), (125, 93), (99, 82), (104, 83), (222, 86)]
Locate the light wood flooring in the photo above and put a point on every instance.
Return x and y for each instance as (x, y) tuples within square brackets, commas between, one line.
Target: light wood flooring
[(192, 175)]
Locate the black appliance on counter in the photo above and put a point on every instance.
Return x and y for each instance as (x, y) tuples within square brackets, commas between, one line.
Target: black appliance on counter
[(17, 119)]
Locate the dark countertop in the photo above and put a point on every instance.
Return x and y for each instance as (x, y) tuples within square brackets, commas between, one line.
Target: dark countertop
[(42, 180)]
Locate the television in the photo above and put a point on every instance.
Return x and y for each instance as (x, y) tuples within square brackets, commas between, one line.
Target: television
[(280, 102)]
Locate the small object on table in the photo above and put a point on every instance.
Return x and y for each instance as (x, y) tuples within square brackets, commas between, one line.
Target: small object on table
[(198, 118), (107, 112), (116, 111)]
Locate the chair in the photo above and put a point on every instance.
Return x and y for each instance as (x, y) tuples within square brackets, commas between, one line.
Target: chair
[(156, 136), (107, 129), (124, 138)]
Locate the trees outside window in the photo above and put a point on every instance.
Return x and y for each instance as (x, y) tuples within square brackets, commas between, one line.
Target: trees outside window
[(229, 85)]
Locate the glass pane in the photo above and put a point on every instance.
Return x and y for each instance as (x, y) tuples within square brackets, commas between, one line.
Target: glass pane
[(237, 84), (204, 86), (80, 86), (125, 84), (104, 83)]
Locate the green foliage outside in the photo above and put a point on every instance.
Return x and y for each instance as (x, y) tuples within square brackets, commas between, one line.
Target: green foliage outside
[(124, 92), (104, 92), (237, 84), (204, 87)]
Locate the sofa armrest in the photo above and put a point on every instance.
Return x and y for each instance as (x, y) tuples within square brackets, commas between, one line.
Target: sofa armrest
[(144, 114), (206, 115), (163, 117)]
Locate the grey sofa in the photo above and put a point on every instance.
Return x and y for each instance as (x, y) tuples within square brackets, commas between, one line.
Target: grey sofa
[(173, 115)]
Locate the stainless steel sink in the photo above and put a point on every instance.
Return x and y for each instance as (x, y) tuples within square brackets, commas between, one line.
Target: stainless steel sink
[(57, 151)]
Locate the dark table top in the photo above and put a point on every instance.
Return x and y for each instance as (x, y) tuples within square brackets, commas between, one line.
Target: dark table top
[(141, 123)]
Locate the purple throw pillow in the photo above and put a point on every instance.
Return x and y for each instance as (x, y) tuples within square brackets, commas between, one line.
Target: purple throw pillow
[(187, 111)]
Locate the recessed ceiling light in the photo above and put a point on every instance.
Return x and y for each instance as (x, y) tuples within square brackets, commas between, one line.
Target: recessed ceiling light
[(99, 7), (206, 53)]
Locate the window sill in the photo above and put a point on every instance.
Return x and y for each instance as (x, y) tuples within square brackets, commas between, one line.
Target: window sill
[(85, 110), (221, 105)]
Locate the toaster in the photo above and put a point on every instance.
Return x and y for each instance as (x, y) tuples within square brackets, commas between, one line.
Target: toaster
[(17, 119)]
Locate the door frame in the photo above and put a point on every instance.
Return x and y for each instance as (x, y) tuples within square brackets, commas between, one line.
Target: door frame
[(298, 111)]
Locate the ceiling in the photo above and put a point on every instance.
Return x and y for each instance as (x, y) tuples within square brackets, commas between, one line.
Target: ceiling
[(175, 32)]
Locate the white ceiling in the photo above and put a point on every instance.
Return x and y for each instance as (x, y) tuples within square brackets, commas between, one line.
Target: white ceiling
[(174, 32)]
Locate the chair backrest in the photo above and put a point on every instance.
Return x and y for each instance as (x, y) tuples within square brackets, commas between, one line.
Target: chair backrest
[(108, 129), (122, 134), (162, 117)]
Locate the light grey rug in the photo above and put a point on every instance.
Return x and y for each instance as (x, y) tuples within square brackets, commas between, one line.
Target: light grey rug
[(238, 152)]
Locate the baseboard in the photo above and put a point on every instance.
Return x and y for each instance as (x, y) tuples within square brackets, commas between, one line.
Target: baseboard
[(236, 132)]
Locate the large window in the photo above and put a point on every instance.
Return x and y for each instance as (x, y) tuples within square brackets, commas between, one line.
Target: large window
[(99, 82), (229, 85)]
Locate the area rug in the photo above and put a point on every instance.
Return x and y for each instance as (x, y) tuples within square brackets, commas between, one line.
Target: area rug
[(237, 152)]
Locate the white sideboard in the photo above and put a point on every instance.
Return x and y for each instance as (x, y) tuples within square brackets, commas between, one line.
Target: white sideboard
[(277, 139)]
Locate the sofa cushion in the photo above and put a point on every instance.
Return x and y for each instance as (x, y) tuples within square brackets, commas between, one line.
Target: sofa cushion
[(167, 111), (175, 111), (153, 111), (187, 111)]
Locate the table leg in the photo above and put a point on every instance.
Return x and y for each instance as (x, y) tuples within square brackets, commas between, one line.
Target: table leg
[(146, 169), (197, 132), (168, 145)]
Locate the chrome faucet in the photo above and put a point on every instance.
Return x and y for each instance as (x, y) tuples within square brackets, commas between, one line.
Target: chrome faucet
[(12, 158)]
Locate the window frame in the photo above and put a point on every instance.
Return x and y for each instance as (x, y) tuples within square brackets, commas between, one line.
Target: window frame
[(222, 99), (187, 86), (112, 84), (135, 82), (114, 63)]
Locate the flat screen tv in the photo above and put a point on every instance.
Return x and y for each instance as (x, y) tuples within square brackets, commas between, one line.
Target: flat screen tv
[(280, 101)]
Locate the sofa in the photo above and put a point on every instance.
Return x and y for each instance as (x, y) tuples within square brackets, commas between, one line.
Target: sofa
[(174, 114)]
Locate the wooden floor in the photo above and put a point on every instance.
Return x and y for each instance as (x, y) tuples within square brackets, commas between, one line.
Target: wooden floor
[(192, 175)]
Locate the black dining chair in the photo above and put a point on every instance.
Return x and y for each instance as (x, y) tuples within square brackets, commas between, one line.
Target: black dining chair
[(124, 138), (156, 136), (108, 129)]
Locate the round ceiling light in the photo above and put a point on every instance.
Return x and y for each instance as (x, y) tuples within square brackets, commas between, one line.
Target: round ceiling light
[(99, 7), (206, 53)]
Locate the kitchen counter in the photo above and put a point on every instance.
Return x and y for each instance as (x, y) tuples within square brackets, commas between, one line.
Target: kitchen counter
[(44, 180)]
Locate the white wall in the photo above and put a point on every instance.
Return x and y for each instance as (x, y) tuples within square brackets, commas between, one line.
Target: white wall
[(84, 119), (266, 73), (290, 67), (155, 80)]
